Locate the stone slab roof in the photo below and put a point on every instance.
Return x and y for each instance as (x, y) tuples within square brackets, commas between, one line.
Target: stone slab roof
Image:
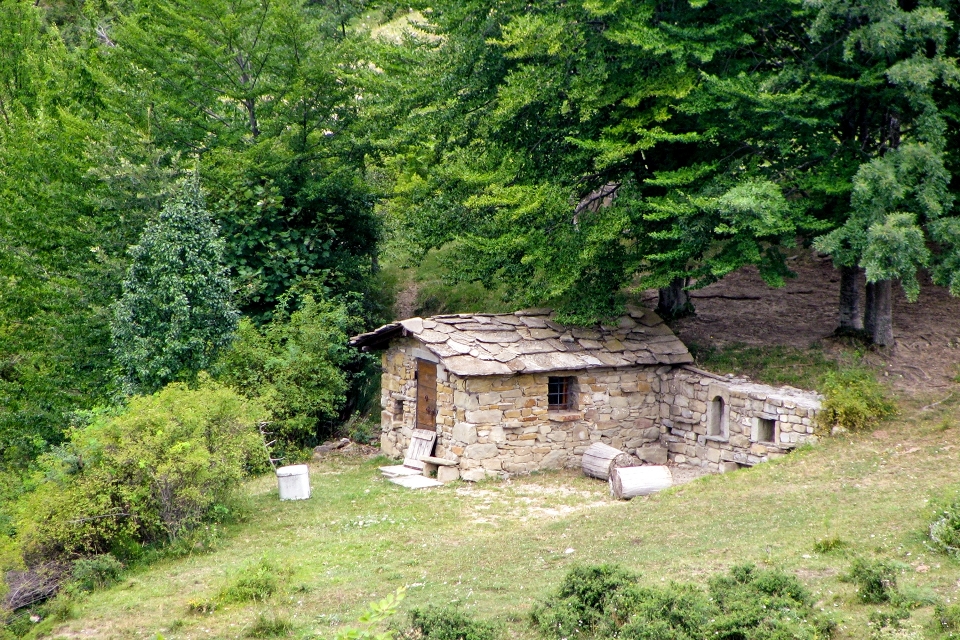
[(530, 341)]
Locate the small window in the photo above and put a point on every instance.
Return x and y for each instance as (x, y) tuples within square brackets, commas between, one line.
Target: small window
[(715, 417), (559, 394), (766, 430)]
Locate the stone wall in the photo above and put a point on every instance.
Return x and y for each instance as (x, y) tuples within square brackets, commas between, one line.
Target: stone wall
[(504, 425), (493, 425), (721, 424), (499, 425), (398, 398)]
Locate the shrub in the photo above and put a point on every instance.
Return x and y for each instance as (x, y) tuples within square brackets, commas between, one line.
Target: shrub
[(747, 603), (153, 472), (97, 572), (581, 602), (175, 313), (376, 613), (254, 583), (437, 623), (296, 365), (876, 580), (946, 617), (944, 530), (854, 400), (269, 627), (829, 545)]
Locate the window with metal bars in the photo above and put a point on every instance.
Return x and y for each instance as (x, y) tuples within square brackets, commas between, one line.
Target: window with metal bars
[(559, 393)]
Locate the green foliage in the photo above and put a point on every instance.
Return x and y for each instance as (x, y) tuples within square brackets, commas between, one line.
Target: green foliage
[(946, 618), (269, 627), (749, 602), (829, 545), (154, 471), (376, 613), (876, 580), (854, 400), (175, 313), (438, 623), (299, 366), (944, 530), (276, 114), (96, 572), (254, 583)]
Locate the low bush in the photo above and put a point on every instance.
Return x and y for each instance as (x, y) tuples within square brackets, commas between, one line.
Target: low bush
[(269, 627), (96, 572), (153, 472), (854, 400), (875, 580), (944, 529), (829, 545), (946, 618), (436, 623), (254, 583), (299, 366), (367, 626), (747, 603)]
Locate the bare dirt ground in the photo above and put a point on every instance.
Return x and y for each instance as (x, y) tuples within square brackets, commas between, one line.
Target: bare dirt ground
[(741, 308)]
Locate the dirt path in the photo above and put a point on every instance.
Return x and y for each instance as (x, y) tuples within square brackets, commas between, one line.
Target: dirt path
[(742, 309)]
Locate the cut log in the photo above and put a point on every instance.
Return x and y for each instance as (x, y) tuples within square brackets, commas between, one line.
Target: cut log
[(599, 459), (629, 482)]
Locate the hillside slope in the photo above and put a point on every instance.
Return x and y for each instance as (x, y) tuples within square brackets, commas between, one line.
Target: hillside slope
[(494, 548)]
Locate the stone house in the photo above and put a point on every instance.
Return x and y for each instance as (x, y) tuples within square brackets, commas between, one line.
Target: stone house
[(514, 393)]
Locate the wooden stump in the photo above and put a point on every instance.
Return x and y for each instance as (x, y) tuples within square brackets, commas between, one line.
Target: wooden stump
[(629, 482), (599, 459)]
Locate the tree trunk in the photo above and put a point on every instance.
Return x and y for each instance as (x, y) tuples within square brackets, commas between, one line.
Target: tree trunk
[(850, 318), (600, 459), (673, 301), (882, 333), (870, 310), (629, 482)]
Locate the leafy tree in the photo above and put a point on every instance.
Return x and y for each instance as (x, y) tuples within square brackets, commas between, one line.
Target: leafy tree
[(883, 70), (56, 270), (176, 312), (267, 92), (630, 106)]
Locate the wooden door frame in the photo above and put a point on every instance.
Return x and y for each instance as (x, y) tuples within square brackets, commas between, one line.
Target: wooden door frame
[(425, 366)]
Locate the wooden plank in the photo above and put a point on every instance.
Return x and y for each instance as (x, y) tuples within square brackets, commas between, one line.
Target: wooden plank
[(421, 446), (426, 395)]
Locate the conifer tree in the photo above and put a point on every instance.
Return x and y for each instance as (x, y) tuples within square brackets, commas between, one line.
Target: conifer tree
[(176, 310)]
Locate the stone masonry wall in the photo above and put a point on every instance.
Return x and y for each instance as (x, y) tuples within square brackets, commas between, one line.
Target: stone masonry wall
[(500, 425), (504, 426), (398, 398), (751, 423), (493, 425)]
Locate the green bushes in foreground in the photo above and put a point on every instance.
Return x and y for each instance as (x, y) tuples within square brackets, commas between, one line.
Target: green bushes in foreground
[(854, 400), (154, 471), (750, 603), (299, 367)]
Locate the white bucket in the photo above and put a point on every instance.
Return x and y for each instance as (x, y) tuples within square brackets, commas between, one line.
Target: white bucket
[(294, 482)]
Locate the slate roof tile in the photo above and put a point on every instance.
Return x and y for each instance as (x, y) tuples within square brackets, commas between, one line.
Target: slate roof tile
[(531, 341)]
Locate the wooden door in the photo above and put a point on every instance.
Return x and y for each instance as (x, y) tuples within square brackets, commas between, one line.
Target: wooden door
[(426, 395)]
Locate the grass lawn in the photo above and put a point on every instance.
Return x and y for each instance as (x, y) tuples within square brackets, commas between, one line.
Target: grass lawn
[(494, 548)]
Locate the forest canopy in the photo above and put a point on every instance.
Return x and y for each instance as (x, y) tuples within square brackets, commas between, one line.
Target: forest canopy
[(565, 154)]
